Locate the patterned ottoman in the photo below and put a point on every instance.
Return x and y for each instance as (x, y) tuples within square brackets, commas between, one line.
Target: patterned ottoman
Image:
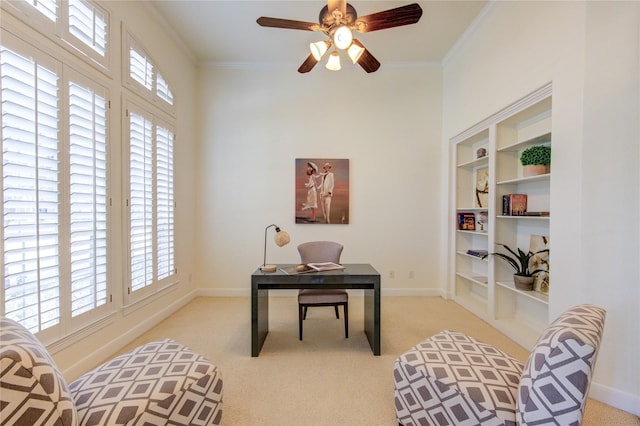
[(158, 383), (453, 379)]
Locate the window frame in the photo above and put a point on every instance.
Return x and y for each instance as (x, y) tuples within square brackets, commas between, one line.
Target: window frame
[(148, 293), (68, 328)]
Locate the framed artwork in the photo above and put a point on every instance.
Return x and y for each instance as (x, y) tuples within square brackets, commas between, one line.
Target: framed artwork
[(540, 261), (322, 191), (482, 188)]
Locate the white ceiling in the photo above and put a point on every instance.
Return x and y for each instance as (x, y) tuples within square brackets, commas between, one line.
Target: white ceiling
[(226, 32)]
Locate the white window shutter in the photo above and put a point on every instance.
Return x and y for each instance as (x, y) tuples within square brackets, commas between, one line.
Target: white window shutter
[(164, 201), (141, 200), (89, 25), (88, 197), (30, 190)]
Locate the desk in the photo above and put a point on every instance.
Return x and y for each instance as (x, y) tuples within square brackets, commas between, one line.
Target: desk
[(353, 276)]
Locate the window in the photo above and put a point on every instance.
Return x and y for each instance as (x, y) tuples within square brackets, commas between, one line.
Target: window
[(87, 198), (151, 202), (54, 257), (87, 29), (143, 77), (47, 8), (78, 25)]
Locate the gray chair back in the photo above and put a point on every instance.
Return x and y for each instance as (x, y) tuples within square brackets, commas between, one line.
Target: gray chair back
[(320, 251), (555, 380)]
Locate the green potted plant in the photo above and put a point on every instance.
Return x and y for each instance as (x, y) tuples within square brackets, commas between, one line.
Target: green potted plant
[(523, 276), (536, 160)]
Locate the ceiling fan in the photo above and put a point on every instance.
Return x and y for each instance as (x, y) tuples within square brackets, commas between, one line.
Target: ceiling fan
[(338, 19)]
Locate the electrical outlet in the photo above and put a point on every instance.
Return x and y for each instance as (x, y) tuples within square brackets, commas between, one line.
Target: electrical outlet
[(392, 274), (411, 274)]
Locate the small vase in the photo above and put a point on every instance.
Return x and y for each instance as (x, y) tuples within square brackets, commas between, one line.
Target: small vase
[(523, 283), (534, 170)]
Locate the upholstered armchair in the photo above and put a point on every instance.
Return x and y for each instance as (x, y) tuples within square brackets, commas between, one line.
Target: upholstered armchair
[(316, 252), (159, 383), (453, 379)]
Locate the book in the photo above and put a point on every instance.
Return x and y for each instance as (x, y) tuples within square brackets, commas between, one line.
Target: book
[(517, 204), (311, 267), (466, 221), (477, 252), (514, 204)]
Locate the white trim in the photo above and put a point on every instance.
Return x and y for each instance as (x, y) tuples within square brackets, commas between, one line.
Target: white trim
[(615, 398), (286, 65), (468, 33), (90, 361)]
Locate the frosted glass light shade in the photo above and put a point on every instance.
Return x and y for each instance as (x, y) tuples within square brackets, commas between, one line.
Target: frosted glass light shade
[(355, 52), (342, 37), (281, 238), (333, 63), (318, 49)]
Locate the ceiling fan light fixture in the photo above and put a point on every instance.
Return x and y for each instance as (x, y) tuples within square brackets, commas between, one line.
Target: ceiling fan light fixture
[(318, 49), (342, 37), (333, 64), (354, 52)]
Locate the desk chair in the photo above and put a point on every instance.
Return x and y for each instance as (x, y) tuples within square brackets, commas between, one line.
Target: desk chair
[(322, 251)]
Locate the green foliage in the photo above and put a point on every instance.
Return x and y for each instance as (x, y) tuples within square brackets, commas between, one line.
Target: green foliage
[(538, 154), (519, 261)]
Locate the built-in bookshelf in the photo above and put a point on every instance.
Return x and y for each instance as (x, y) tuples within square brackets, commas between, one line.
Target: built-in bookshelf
[(485, 168)]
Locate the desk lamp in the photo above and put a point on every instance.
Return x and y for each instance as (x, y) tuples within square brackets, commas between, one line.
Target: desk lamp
[(281, 239)]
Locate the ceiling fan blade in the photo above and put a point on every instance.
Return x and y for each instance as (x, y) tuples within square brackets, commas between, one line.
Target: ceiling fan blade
[(308, 64), (341, 5), (404, 15), (289, 24), (366, 60)]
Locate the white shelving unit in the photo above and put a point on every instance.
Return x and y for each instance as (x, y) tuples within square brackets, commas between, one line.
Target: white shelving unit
[(485, 286)]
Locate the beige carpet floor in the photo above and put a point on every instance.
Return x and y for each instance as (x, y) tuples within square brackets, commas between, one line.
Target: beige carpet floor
[(325, 379)]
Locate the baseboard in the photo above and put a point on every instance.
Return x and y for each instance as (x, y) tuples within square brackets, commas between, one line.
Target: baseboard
[(615, 398), (246, 292), (97, 356)]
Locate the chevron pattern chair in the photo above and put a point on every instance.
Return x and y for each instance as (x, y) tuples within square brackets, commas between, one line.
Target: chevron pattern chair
[(159, 383), (453, 379)]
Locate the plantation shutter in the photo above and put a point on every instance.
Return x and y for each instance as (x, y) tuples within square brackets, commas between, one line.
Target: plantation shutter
[(30, 188), (89, 25), (141, 200), (163, 90), (48, 8), (164, 201), (88, 197), (140, 68)]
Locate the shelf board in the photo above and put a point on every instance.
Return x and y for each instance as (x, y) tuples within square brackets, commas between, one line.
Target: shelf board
[(537, 140), (473, 303), (476, 162), (534, 295), (473, 232), (480, 280), (462, 253), (523, 334), (472, 209), (524, 217), (525, 179)]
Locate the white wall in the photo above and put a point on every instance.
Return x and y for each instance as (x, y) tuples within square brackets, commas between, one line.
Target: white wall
[(255, 123), (590, 52)]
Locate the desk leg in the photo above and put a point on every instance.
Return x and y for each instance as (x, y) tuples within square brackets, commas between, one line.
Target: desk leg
[(372, 317), (259, 319)]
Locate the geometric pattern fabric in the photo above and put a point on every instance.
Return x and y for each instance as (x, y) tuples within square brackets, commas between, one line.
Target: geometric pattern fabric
[(158, 383), (453, 379), (556, 377), (32, 389)]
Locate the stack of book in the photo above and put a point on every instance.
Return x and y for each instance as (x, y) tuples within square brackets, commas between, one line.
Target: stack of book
[(477, 252)]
